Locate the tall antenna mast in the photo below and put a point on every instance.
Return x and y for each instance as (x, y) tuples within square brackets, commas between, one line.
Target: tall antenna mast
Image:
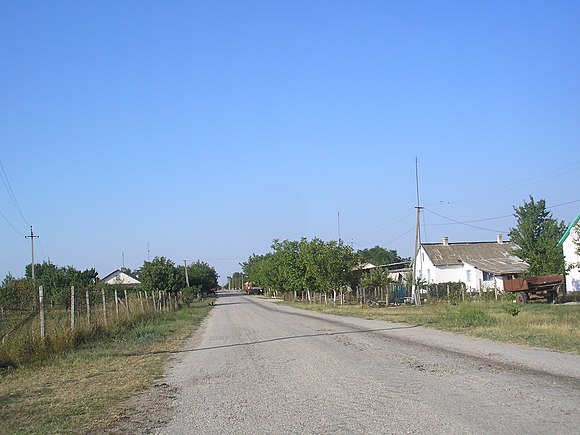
[(414, 289), (338, 227)]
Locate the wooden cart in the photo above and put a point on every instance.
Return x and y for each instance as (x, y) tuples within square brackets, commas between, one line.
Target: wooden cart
[(549, 287)]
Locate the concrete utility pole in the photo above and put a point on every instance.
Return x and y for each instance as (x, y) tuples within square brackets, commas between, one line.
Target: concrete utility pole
[(32, 237), (186, 277), (416, 291)]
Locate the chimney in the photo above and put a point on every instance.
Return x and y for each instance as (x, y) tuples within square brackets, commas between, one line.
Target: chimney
[(500, 238), (445, 241)]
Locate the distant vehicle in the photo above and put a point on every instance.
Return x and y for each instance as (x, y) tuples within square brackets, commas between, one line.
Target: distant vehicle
[(549, 287), (251, 289)]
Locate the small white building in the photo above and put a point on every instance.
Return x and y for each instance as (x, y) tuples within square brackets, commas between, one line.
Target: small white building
[(120, 277), (570, 247), (480, 265)]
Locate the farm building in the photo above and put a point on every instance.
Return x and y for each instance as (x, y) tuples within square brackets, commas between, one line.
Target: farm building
[(120, 277), (480, 265), (569, 242)]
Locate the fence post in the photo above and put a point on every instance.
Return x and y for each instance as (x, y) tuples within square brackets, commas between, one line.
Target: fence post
[(72, 308), (41, 310), (141, 301), (126, 301), (104, 305), (116, 305), (88, 299)]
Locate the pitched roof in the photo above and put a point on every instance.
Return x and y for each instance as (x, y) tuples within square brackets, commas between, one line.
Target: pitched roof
[(569, 230), (118, 272), (497, 258)]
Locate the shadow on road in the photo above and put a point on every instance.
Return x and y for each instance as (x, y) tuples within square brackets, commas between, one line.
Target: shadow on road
[(271, 340)]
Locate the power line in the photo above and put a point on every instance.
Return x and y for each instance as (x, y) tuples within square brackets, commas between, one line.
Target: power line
[(11, 226), (8, 187), (558, 172), (476, 220), (465, 224)]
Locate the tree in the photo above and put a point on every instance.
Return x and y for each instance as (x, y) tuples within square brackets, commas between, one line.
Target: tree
[(202, 275), (536, 237), (161, 274), (379, 256)]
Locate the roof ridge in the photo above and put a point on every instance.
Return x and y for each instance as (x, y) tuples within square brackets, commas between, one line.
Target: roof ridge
[(569, 230)]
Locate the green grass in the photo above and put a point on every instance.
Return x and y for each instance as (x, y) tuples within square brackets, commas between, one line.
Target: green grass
[(85, 390), (555, 327)]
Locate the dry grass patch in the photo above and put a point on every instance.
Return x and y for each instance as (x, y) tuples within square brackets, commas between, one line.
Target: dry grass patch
[(555, 327), (84, 391)]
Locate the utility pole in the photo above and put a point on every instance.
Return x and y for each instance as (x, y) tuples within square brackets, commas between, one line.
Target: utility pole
[(32, 237), (186, 276), (417, 292)]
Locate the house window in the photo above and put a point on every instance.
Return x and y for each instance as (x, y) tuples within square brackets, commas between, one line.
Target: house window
[(428, 275), (468, 277), (487, 276)]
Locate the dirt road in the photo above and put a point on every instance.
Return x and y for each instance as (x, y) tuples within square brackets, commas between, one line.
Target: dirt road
[(256, 367)]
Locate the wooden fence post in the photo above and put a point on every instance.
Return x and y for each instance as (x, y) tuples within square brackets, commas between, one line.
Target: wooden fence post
[(104, 305), (41, 310), (88, 299), (72, 308), (141, 302), (126, 301), (116, 305)]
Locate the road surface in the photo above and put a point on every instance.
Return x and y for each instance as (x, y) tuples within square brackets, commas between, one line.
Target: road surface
[(259, 368)]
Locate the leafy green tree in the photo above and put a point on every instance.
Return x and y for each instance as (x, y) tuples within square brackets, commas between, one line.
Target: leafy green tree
[(536, 236), (202, 276), (161, 274), (375, 278), (312, 266), (380, 256)]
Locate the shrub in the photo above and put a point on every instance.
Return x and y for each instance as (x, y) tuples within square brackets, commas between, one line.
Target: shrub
[(470, 316)]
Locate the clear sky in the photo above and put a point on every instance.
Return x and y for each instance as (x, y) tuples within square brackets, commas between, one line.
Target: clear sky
[(205, 129)]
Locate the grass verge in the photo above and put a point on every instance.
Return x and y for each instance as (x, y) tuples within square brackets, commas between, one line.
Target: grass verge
[(85, 390), (554, 327)]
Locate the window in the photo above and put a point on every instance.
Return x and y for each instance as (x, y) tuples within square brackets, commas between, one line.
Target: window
[(487, 276), (468, 272)]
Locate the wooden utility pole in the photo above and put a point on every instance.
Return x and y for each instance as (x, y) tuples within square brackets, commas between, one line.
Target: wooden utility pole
[(32, 237)]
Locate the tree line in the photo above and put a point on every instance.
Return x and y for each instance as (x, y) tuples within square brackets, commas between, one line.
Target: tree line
[(159, 274), (315, 266), (324, 267)]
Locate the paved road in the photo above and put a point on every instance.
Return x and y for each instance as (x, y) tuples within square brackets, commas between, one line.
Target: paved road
[(259, 368)]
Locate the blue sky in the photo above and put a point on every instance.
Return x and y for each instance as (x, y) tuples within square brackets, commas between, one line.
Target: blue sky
[(204, 130)]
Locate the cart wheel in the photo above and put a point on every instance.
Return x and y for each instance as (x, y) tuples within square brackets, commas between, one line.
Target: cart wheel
[(522, 298)]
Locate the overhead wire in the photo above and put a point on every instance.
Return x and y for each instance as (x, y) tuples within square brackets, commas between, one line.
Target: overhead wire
[(8, 187), (463, 223), (10, 224), (558, 172)]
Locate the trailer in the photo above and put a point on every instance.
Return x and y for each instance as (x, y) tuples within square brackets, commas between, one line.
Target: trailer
[(549, 287)]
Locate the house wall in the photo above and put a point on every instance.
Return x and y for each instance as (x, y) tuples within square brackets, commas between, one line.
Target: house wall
[(121, 278), (569, 247), (432, 274), (466, 273)]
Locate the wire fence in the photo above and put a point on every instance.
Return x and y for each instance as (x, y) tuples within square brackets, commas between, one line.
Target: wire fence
[(48, 322)]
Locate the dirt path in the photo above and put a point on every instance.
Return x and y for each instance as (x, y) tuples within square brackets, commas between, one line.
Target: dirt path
[(257, 367)]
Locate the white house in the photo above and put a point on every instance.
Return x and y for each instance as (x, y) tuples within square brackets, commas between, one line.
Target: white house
[(480, 265), (569, 245), (120, 277)]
